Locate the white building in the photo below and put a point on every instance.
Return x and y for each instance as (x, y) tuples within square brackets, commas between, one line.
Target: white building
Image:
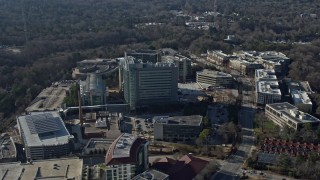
[(44, 135), (214, 78), (265, 75), (301, 99), (267, 92), (285, 114)]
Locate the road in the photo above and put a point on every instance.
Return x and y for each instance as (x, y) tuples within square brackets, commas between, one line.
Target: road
[(231, 167)]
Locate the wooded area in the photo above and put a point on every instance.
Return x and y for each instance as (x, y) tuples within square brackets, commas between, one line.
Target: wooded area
[(51, 36)]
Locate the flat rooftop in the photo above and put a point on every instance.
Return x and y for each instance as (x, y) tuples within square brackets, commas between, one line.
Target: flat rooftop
[(282, 106), (268, 87), (265, 74), (292, 112), (43, 129), (123, 145), (299, 85), (151, 174), (55, 169), (300, 97), (190, 89), (210, 73), (49, 99), (194, 120), (99, 143)]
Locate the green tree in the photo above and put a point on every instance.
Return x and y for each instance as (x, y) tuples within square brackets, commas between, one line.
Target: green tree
[(204, 134), (206, 121)]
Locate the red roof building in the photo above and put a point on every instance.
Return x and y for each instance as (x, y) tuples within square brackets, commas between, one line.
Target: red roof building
[(186, 168)]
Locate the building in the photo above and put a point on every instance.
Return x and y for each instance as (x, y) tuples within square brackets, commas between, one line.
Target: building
[(268, 59), (178, 128), (152, 174), (93, 91), (275, 60), (267, 87), (51, 98), (298, 86), (214, 78), (8, 150), (267, 92), (183, 63), (299, 91), (44, 135), (265, 75), (145, 55), (185, 168), (301, 100), (218, 58), (97, 146), (243, 66), (184, 66), (98, 66), (148, 84), (126, 157), (285, 114), (62, 168)]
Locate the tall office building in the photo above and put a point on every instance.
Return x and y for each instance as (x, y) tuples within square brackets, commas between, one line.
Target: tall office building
[(184, 66), (146, 55), (93, 91), (149, 84)]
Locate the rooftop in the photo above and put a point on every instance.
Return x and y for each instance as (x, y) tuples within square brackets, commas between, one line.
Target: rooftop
[(265, 74), (99, 143), (49, 99), (269, 87), (186, 168), (43, 129), (292, 112), (138, 64), (55, 169), (123, 145), (194, 120), (300, 97), (299, 85), (124, 149), (151, 174), (93, 82), (210, 73)]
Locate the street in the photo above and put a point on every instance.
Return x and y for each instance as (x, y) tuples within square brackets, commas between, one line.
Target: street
[(231, 167)]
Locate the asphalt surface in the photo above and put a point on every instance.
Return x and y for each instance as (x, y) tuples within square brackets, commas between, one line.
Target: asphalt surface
[(231, 167)]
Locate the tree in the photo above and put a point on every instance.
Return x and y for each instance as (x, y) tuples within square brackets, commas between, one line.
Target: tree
[(204, 134), (284, 161), (206, 122)]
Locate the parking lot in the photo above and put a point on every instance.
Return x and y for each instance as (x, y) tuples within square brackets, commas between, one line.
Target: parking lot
[(143, 127)]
